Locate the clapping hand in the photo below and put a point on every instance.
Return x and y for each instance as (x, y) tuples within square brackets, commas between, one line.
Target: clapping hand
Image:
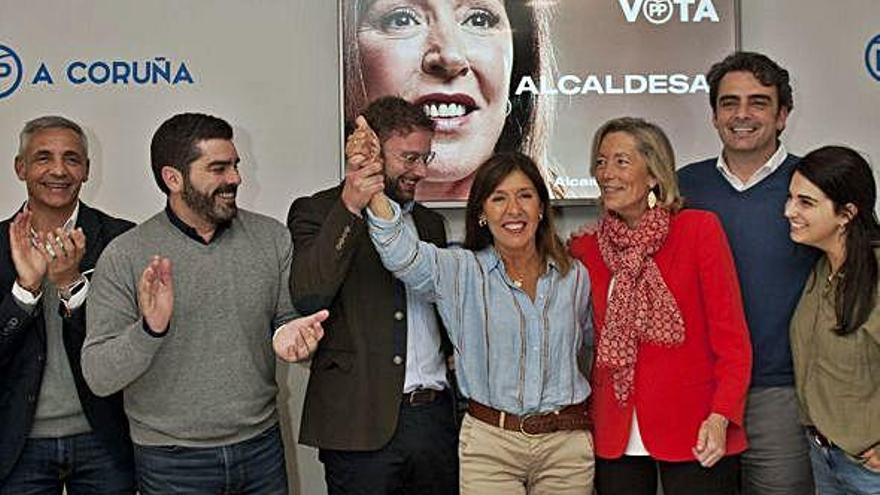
[(25, 248), (55, 254), (63, 250), (156, 294)]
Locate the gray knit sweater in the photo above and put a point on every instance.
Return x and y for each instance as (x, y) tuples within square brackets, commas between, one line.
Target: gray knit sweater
[(210, 380)]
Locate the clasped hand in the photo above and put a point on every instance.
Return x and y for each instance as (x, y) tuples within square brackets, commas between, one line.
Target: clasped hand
[(364, 168), (711, 440)]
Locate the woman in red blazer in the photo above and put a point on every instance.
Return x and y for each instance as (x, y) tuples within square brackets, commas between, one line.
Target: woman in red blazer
[(673, 357)]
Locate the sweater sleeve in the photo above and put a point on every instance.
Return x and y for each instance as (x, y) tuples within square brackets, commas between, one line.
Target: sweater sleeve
[(117, 349), (728, 331), (284, 310)]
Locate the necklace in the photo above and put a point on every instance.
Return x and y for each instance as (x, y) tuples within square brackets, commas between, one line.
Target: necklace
[(518, 278)]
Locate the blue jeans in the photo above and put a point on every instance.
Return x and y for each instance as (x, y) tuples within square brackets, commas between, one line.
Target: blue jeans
[(79, 463), (254, 466), (838, 474)]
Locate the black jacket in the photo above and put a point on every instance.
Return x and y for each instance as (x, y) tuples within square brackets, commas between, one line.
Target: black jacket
[(23, 353)]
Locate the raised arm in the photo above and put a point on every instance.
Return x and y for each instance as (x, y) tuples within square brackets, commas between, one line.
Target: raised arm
[(439, 275), (325, 238), (417, 264), (326, 227)]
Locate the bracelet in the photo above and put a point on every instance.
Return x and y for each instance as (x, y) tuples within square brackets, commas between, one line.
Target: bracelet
[(65, 293), (36, 291)]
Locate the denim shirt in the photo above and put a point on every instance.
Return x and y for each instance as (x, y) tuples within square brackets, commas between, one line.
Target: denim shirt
[(511, 353)]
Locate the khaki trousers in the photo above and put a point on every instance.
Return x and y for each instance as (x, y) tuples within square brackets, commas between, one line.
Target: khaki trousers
[(497, 461)]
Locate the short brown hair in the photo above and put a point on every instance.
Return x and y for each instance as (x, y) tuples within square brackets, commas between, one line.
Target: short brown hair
[(390, 115), (765, 70)]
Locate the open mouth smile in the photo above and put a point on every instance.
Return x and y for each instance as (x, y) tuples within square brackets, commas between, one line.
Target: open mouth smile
[(447, 110)]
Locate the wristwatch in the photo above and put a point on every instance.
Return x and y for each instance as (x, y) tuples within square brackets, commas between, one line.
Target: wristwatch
[(72, 289)]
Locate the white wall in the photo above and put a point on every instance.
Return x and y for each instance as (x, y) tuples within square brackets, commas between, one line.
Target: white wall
[(822, 44), (286, 112)]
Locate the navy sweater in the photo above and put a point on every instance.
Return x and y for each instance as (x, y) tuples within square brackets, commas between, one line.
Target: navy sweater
[(772, 268)]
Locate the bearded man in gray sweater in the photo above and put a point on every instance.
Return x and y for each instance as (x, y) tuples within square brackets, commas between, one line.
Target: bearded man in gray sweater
[(182, 317)]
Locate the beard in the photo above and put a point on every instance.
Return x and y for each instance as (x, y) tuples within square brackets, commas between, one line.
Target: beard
[(393, 191), (209, 205)]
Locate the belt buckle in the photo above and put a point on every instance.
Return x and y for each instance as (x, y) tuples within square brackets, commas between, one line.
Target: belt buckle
[(414, 398), (820, 440), (522, 424)]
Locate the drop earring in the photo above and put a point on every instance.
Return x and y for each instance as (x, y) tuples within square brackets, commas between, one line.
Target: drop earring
[(652, 199)]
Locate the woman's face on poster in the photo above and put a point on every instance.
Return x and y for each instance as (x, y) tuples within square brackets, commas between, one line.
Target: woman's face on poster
[(452, 57)]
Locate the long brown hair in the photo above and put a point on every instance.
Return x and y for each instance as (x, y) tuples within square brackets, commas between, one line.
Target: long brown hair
[(491, 173), (845, 177)]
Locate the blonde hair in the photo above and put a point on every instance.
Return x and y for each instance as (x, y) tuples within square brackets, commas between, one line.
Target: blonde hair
[(654, 147)]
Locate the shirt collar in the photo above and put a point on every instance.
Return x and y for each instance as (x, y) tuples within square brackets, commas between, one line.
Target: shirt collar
[(770, 166), (190, 231), (492, 260), (70, 223)]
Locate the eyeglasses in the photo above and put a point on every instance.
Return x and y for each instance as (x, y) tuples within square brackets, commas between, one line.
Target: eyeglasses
[(411, 158)]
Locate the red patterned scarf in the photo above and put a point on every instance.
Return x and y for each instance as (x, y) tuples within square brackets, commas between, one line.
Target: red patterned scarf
[(641, 308)]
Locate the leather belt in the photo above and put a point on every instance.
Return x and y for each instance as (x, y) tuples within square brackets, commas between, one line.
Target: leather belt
[(421, 396), (573, 417), (818, 438)]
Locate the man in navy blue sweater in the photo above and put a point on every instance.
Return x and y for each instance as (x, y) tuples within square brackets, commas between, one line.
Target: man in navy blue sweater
[(747, 187)]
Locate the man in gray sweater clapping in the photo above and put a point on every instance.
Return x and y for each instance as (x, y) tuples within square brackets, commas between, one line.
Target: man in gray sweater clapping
[(182, 317)]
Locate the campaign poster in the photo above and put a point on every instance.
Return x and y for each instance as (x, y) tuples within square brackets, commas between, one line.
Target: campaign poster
[(536, 76)]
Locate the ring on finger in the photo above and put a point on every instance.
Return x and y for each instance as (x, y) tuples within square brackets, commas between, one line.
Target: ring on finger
[(61, 244)]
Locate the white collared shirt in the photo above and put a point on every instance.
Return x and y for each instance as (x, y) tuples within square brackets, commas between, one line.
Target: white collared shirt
[(762, 173), (425, 364)]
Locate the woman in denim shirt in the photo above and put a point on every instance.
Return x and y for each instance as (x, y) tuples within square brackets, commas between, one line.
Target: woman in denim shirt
[(516, 307)]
